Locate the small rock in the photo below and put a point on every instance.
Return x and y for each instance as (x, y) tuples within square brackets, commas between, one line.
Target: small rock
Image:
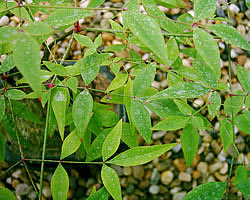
[(202, 167), (214, 167), (118, 169), (4, 20), (183, 176), (220, 177), (155, 177), (61, 51), (118, 5), (138, 172), (179, 195), (154, 189), (9, 180), (158, 135), (224, 168), (105, 23), (175, 190), (209, 157), (15, 19), (211, 179), (196, 160), (216, 147), (130, 189), (163, 189), (241, 28), (222, 156), (127, 171), (207, 138), (198, 103), (22, 189), (167, 177), (169, 137), (132, 180), (32, 195), (233, 53), (15, 183), (107, 37), (108, 15), (17, 174), (144, 184), (177, 148), (180, 164), (234, 9), (47, 192), (196, 174)]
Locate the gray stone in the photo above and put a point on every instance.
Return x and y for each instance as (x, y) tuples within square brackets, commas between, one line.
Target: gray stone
[(32, 195), (209, 157), (158, 135), (202, 167), (184, 176), (4, 20), (155, 177), (179, 195), (167, 177), (154, 189), (47, 192), (127, 171), (214, 167), (108, 15), (22, 189), (138, 172)]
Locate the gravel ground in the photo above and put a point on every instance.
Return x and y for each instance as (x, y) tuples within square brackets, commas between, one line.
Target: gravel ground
[(166, 177)]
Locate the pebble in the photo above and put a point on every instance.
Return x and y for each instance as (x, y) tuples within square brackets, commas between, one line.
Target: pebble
[(61, 51), (15, 19), (241, 28), (15, 183), (105, 23), (17, 174), (177, 148), (180, 164), (138, 172), (175, 190), (118, 5), (107, 36), (144, 184), (216, 147), (22, 189), (158, 135), (214, 167), (108, 15), (47, 192), (222, 156), (198, 103), (118, 169), (154, 189), (155, 177), (207, 138), (32, 195), (220, 177), (127, 171), (183, 176), (179, 195), (196, 160), (167, 177), (234, 9), (224, 168), (202, 167), (4, 20), (209, 157), (196, 174)]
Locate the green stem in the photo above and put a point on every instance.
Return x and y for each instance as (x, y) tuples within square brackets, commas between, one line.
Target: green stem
[(44, 146), (63, 161)]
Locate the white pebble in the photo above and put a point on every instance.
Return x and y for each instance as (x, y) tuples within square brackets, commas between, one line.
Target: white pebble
[(61, 50), (179, 195), (29, 1), (108, 15), (4, 20), (154, 189), (183, 176), (234, 9)]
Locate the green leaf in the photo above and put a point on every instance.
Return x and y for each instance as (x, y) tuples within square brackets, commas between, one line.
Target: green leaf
[(44, 76), (189, 143), (15, 94), (207, 48), (247, 102), (244, 187), (72, 83), (149, 35), (198, 122), (59, 103), (115, 67), (214, 104), (183, 107), (117, 82), (108, 117), (247, 3), (234, 104), (57, 69), (7, 64), (207, 191), (172, 123), (116, 96), (63, 17), (70, 144), (95, 3), (128, 137), (187, 19), (101, 194), (230, 35), (115, 48), (7, 34), (144, 79), (37, 29), (172, 51), (243, 122), (204, 9), (163, 107), (24, 112), (19, 12), (141, 119), (6, 194), (111, 182), (98, 41), (60, 183), (89, 66), (166, 23), (171, 3), (240, 174), (182, 90), (140, 155), (2, 150), (112, 141), (117, 27), (95, 150), (2, 107), (26, 55), (226, 133), (84, 40), (244, 77), (81, 112)]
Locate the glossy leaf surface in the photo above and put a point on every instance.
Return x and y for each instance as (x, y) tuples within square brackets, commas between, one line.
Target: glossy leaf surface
[(226, 133), (111, 182), (15, 94), (117, 82), (171, 123), (6, 194), (214, 104), (204, 9), (244, 77), (140, 155)]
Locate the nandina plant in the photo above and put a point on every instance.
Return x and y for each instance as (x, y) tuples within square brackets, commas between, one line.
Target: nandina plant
[(86, 124)]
